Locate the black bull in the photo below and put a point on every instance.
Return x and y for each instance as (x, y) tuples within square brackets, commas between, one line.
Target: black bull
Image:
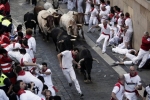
[(85, 59), (29, 21), (62, 40)]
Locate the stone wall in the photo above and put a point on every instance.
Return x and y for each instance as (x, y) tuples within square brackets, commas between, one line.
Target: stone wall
[(140, 15)]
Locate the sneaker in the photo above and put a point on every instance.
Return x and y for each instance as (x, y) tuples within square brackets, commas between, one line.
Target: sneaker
[(103, 52), (70, 84), (115, 63), (81, 95)]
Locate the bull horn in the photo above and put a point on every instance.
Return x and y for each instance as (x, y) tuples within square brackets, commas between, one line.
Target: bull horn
[(96, 60), (80, 61), (74, 36), (56, 16), (33, 21), (61, 41), (79, 24), (72, 39)]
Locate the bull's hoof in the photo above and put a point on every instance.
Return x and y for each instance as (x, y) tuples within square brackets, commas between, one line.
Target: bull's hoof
[(85, 81)]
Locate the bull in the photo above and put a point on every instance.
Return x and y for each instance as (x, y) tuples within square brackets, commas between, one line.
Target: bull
[(85, 59), (46, 23), (29, 21), (69, 24), (62, 40), (56, 15), (79, 18)]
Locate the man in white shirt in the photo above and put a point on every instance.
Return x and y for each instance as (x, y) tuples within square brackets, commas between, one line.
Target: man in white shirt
[(46, 73), (25, 94), (87, 11), (128, 29), (93, 18), (3, 95), (132, 84), (27, 77), (31, 40), (108, 5), (96, 4), (12, 46), (66, 60), (105, 34), (118, 90), (103, 14)]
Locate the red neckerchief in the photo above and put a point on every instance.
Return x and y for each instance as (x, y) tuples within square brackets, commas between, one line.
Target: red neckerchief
[(44, 70), (21, 73), (92, 9), (28, 36), (111, 15), (133, 75), (105, 26), (127, 18), (73, 56), (120, 83), (21, 91)]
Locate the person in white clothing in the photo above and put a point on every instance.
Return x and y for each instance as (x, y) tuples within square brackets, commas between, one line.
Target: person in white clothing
[(93, 18), (66, 61), (12, 46), (121, 51), (26, 61), (80, 6), (103, 14), (25, 94), (146, 93), (87, 11), (31, 40), (46, 73), (70, 5), (118, 90), (102, 3), (105, 34), (132, 84), (128, 30), (27, 77), (96, 4), (108, 5), (3, 95)]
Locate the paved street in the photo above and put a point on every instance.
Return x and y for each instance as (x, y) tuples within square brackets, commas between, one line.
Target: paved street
[(103, 75)]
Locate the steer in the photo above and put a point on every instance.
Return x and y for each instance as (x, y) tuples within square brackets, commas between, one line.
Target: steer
[(46, 23), (79, 18), (85, 59), (29, 21), (69, 24), (62, 40), (56, 15)]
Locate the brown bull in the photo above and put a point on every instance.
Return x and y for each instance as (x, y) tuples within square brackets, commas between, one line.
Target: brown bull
[(79, 18)]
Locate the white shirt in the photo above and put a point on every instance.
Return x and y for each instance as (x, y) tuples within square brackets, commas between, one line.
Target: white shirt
[(47, 78), (119, 91), (27, 58), (16, 55), (28, 78), (131, 82), (120, 20), (96, 2), (128, 22), (67, 59), (3, 95), (13, 46), (32, 44), (108, 8), (28, 95), (104, 14), (94, 13), (107, 30), (30, 52)]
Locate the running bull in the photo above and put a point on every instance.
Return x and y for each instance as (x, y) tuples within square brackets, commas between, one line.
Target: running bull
[(85, 59), (62, 40)]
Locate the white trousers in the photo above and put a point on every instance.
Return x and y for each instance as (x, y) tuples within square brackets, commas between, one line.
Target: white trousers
[(93, 21), (70, 76), (87, 17), (130, 96), (128, 62), (70, 5), (122, 45), (141, 55), (105, 37), (128, 36), (119, 50), (52, 90), (79, 5)]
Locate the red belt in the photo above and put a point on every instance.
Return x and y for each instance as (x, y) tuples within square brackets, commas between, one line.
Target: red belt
[(106, 34)]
